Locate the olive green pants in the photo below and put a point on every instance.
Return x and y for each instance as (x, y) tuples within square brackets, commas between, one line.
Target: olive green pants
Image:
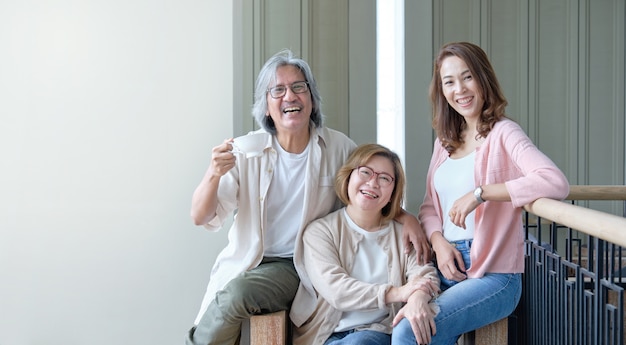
[(267, 288)]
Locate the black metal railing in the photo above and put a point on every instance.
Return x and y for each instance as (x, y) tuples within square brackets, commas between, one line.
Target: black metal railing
[(570, 301), (573, 290)]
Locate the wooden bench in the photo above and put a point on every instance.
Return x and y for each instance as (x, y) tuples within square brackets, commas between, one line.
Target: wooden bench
[(275, 329), (270, 329), (496, 333)]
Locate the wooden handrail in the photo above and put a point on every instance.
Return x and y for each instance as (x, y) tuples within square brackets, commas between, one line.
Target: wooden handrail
[(599, 224), (577, 192)]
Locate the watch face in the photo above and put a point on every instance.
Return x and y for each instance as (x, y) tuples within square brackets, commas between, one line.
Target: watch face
[(478, 192)]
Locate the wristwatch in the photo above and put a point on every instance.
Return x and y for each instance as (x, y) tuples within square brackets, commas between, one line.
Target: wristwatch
[(478, 192)]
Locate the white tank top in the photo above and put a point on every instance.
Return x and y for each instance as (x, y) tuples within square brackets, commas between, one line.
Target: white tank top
[(453, 179)]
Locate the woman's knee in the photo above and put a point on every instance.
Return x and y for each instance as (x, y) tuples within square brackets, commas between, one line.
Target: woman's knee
[(403, 333)]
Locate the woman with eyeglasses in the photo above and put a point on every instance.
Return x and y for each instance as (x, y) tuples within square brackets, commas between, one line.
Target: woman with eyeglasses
[(356, 275)]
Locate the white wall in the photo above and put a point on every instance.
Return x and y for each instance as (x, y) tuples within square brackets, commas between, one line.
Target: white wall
[(108, 112)]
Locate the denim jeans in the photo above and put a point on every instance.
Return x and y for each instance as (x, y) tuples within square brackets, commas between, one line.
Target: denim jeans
[(463, 247), (267, 288), (468, 305), (364, 337)]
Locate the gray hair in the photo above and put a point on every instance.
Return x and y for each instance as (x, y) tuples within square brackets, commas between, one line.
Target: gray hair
[(268, 76)]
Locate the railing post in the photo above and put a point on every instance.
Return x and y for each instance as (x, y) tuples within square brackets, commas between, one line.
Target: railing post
[(599, 298)]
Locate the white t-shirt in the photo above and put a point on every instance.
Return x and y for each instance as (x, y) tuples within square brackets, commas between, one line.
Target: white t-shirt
[(453, 179), (370, 265), (285, 202)]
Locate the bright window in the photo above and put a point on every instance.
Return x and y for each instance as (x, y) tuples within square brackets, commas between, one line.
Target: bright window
[(390, 74)]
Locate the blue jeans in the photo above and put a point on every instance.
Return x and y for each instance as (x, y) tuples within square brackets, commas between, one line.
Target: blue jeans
[(468, 305), (353, 337), (463, 247)]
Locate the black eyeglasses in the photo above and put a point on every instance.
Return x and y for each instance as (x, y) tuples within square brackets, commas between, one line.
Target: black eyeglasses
[(280, 90), (367, 173)]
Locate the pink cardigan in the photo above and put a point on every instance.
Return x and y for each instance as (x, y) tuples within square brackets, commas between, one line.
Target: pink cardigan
[(507, 156)]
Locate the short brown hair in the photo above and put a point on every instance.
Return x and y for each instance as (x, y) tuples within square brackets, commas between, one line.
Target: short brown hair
[(362, 155)]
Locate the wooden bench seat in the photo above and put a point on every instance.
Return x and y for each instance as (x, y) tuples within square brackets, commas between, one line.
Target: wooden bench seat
[(275, 329), (270, 329), (496, 333)]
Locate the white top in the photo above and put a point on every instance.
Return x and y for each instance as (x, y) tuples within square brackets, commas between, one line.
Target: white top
[(370, 266), (285, 202), (453, 179)]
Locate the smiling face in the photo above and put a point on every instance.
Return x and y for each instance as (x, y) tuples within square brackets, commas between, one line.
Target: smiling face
[(369, 195), (460, 88), (291, 112)]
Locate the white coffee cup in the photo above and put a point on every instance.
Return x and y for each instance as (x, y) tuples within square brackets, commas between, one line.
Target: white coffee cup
[(250, 145)]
